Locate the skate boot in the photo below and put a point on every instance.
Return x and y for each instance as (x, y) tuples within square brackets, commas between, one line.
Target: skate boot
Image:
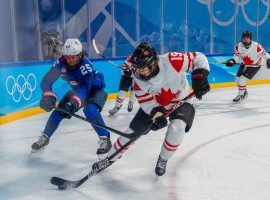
[(130, 106), (240, 98), (43, 141), (114, 110), (161, 166), (104, 146)]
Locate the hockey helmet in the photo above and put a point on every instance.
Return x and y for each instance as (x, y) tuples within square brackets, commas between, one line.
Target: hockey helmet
[(246, 34), (72, 47), (145, 58)]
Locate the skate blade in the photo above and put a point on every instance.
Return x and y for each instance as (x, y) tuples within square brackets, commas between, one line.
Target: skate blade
[(240, 102), (38, 150)]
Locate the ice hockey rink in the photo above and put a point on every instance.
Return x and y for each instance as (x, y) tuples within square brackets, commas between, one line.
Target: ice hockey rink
[(225, 156)]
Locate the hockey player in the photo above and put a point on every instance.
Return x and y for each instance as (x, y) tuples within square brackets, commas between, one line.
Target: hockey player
[(160, 85), (125, 84), (251, 55), (87, 92)]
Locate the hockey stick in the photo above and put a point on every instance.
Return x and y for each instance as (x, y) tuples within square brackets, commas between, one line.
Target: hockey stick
[(224, 63), (217, 63), (63, 184), (129, 136), (102, 56)]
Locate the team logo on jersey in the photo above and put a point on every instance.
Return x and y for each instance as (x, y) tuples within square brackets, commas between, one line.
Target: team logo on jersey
[(165, 97), (145, 53), (63, 69), (73, 83), (247, 60)]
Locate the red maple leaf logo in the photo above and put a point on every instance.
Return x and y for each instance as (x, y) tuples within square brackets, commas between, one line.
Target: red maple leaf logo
[(165, 97), (247, 60)]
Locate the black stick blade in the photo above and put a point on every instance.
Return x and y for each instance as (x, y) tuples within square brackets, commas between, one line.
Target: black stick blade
[(63, 184)]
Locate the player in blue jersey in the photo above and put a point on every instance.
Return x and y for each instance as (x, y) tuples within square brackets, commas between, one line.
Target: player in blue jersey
[(86, 92)]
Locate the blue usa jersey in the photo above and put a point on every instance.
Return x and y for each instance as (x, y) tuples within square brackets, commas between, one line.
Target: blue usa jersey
[(83, 79)]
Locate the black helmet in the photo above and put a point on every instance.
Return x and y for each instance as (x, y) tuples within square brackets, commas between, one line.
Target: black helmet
[(145, 56), (247, 34)]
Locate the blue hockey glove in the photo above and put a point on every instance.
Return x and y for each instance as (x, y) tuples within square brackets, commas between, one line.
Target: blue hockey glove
[(48, 101), (70, 106)]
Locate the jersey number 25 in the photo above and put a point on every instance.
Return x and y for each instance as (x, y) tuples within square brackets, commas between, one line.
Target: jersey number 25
[(85, 69)]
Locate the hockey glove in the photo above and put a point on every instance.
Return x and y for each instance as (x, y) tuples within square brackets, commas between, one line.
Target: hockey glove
[(268, 63), (71, 106), (127, 72), (48, 101), (159, 120), (230, 62), (200, 83)]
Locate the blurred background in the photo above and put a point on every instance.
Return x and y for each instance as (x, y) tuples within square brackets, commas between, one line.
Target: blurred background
[(34, 30)]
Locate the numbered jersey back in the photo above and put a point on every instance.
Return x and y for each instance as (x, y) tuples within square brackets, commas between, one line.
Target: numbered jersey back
[(182, 61)]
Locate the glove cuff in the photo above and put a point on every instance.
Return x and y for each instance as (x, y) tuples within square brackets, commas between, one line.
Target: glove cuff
[(49, 94), (200, 73), (77, 100)]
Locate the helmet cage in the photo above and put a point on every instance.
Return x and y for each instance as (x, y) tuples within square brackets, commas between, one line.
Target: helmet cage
[(145, 56), (153, 71), (246, 34)]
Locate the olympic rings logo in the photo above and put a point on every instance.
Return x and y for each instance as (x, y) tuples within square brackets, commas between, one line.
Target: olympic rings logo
[(239, 3), (21, 86)]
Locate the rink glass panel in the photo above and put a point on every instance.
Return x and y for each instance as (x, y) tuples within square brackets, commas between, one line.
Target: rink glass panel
[(119, 25)]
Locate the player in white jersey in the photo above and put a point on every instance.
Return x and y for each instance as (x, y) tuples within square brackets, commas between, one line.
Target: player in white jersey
[(251, 55), (125, 84), (160, 85)]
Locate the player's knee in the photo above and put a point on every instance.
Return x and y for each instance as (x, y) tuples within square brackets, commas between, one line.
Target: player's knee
[(177, 126), (237, 80), (91, 110), (186, 113), (242, 80)]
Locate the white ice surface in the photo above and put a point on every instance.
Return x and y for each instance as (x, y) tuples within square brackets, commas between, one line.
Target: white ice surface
[(225, 156)]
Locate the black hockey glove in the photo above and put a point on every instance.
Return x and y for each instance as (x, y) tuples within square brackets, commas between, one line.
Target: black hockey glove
[(200, 83), (127, 71), (70, 106), (47, 101), (268, 63), (230, 62), (159, 120)]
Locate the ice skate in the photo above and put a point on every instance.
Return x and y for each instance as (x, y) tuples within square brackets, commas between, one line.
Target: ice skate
[(130, 106), (240, 98), (104, 147), (114, 110), (43, 141), (161, 166)]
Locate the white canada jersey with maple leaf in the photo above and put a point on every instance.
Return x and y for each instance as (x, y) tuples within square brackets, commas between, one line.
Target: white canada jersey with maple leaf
[(255, 55), (170, 85)]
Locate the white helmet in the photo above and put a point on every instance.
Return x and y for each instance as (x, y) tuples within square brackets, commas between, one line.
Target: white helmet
[(72, 47)]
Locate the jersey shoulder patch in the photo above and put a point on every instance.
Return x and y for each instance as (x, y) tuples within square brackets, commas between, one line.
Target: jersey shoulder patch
[(58, 64), (176, 59)]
